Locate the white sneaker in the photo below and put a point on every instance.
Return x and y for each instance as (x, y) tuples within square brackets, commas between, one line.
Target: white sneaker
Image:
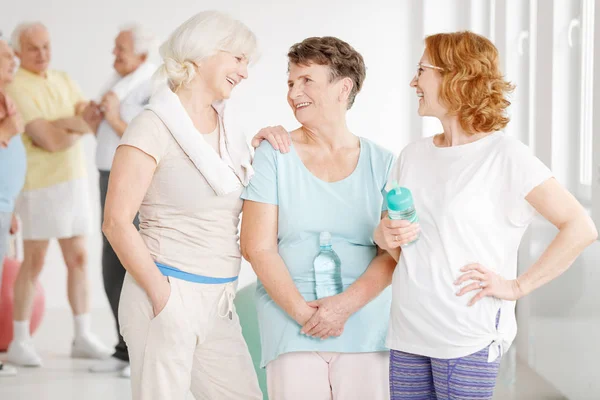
[(7, 370), (23, 354), (110, 365), (89, 347), (126, 372)]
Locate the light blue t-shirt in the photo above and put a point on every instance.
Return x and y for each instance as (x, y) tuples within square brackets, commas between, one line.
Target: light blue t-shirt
[(13, 165), (350, 210)]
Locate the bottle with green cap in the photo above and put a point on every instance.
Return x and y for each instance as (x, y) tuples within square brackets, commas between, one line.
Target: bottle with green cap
[(401, 206), (327, 269)]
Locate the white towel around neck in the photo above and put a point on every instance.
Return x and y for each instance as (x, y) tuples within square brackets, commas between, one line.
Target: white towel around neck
[(224, 174), (123, 85)]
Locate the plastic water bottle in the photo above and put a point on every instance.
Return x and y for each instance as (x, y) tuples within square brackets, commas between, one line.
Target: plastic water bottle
[(328, 269), (401, 206)]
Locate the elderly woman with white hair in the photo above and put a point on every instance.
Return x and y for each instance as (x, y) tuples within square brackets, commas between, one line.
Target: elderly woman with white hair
[(184, 170), (123, 99)]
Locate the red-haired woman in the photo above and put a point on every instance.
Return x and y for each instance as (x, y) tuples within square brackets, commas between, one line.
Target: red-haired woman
[(475, 191)]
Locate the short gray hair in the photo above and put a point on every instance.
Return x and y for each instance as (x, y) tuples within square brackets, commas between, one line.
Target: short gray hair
[(200, 37), (144, 42), (15, 38)]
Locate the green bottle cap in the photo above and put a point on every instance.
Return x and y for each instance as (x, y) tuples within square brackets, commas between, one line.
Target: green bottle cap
[(399, 199)]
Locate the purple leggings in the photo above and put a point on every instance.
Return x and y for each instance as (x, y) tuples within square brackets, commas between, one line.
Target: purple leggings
[(414, 377)]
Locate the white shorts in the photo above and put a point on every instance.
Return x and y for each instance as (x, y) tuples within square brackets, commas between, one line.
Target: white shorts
[(194, 344), (56, 212)]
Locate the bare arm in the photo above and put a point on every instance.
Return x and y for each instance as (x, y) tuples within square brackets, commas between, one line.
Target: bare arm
[(258, 241), (130, 177), (576, 232), (11, 126), (51, 136), (75, 125), (111, 106), (80, 107), (334, 311), (390, 234), (372, 282), (395, 254), (118, 125), (92, 115)]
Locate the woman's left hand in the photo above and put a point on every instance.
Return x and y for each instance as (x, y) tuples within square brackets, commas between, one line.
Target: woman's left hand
[(330, 318), (488, 283), (276, 135)]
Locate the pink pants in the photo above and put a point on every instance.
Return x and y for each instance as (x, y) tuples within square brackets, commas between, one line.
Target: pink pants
[(327, 376)]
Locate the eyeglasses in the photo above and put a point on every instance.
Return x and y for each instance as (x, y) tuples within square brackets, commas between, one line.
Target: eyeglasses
[(420, 67)]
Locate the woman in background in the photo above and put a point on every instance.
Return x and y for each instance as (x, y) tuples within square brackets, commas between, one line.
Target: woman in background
[(13, 162)]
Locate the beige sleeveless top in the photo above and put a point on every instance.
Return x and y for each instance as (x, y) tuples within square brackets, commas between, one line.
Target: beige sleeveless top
[(183, 222)]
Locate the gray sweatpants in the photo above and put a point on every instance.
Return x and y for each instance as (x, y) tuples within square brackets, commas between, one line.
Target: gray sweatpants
[(113, 272)]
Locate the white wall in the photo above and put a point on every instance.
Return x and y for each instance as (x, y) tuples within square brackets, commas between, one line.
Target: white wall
[(83, 33)]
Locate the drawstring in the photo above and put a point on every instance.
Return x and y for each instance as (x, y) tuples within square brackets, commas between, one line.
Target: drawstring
[(496, 349), (227, 297)]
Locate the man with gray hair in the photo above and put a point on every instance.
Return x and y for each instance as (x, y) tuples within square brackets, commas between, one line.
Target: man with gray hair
[(126, 95), (54, 202)]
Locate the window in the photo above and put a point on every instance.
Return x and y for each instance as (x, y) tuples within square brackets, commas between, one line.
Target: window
[(586, 99)]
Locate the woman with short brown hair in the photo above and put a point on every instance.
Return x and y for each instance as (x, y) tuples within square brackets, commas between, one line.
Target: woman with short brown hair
[(320, 344)]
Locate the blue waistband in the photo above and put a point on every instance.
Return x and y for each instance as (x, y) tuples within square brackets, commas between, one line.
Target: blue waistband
[(186, 276)]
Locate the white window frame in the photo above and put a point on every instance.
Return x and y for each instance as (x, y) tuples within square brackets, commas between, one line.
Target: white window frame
[(585, 162)]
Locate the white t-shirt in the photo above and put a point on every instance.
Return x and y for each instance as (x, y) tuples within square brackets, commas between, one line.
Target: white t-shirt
[(107, 138), (471, 204)]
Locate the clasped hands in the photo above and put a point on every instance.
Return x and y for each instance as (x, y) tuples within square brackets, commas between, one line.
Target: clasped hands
[(325, 317), (108, 109)]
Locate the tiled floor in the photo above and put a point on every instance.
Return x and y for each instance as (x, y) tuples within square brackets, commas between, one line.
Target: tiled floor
[(62, 378)]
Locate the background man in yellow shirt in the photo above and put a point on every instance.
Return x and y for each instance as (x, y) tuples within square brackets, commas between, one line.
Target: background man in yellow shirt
[(54, 202)]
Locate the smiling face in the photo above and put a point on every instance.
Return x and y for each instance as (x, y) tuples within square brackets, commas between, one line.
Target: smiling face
[(222, 72), (126, 59), (312, 95), (7, 64), (427, 82)]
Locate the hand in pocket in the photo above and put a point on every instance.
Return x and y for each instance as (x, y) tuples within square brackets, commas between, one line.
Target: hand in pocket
[(161, 298)]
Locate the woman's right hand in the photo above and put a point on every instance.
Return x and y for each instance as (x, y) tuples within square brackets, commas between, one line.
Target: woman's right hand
[(161, 296), (393, 233)]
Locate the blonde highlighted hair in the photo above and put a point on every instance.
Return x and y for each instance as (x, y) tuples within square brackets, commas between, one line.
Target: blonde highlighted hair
[(200, 37)]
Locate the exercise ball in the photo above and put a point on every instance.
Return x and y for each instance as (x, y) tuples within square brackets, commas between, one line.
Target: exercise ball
[(246, 309), (9, 275)]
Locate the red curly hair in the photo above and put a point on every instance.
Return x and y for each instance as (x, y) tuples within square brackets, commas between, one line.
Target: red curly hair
[(473, 88)]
